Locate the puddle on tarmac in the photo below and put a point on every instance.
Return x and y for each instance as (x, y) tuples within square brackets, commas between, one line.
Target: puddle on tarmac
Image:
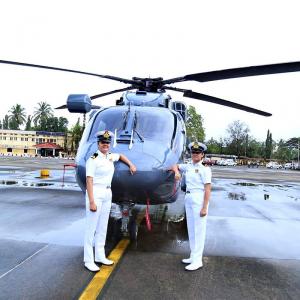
[(253, 191), (8, 182), (237, 196), (37, 184), (263, 184)]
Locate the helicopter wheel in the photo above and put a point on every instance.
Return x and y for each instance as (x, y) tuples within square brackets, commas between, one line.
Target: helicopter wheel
[(133, 230)]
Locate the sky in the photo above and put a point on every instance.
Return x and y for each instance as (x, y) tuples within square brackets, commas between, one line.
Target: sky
[(157, 39)]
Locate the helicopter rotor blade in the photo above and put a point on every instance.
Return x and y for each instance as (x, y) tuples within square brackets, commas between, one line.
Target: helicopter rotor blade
[(207, 98), (127, 81), (65, 106), (112, 92), (238, 72), (211, 99)]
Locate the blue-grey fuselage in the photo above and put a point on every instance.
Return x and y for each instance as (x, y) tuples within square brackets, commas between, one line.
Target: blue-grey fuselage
[(153, 138)]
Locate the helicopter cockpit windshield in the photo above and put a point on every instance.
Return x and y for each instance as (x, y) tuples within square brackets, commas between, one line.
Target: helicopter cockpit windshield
[(108, 119), (156, 124)]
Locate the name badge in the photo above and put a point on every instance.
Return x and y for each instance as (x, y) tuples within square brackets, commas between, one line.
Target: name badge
[(196, 171)]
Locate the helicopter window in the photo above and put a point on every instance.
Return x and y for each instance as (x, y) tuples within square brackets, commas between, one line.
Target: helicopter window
[(155, 124), (109, 119)]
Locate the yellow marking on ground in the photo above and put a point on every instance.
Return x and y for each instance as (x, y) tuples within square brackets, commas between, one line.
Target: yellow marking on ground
[(94, 288)]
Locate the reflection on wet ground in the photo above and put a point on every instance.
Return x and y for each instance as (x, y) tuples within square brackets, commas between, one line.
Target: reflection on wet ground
[(18, 178), (263, 222), (253, 191)]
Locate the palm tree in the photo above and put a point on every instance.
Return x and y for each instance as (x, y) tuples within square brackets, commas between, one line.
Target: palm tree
[(42, 112), (17, 116)]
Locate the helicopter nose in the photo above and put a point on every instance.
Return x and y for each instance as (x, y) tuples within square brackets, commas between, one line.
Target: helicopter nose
[(149, 172), (143, 162)]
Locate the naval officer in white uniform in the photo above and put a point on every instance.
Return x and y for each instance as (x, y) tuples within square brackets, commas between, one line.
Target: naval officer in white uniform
[(99, 173), (198, 189)]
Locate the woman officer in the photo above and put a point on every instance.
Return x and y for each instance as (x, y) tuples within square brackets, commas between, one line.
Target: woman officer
[(198, 189), (99, 173)]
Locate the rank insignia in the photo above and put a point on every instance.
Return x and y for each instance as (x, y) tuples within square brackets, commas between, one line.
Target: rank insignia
[(94, 155)]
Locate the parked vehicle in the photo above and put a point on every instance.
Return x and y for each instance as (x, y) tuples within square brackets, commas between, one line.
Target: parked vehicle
[(288, 166), (226, 162), (208, 162), (273, 165), (230, 162)]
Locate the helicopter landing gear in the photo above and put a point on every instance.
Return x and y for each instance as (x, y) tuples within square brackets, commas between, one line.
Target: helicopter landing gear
[(129, 226)]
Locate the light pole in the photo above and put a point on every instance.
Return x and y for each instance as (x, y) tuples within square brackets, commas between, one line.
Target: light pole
[(298, 166)]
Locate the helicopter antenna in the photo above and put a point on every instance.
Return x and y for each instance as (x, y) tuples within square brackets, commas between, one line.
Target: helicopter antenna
[(115, 139), (131, 140), (83, 122)]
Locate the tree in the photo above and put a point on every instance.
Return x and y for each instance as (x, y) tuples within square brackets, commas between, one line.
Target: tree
[(236, 141), (269, 145), (41, 114), (62, 124), (76, 133), (17, 116), (5, 122), (194, 125), (1, 125), (255, 148), (283, 152), (28, 123), (294, 145)]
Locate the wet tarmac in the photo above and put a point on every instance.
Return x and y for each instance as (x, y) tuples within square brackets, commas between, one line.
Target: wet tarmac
[(252, 248)]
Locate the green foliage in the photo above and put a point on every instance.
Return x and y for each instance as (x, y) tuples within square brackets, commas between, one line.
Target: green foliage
[(17, 116), (194, 125), (76, 133), (238, 138), (255, 148), (215, 147), (269, 145), (282, 152), (28, 123), (5, 122), (41, 114)]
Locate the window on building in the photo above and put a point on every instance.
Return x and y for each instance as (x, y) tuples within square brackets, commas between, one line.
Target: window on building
[(11, 138), (25, 150), (9, 150), (4, 138), (26, 139), (15, 138), (22, 139), (32, 140)]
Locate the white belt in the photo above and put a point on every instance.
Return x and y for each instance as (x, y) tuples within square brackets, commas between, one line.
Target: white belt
[(101, 186), (194, 191)]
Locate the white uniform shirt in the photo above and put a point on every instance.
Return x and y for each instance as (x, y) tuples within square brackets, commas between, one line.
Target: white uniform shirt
[(196, 175), (102, 168)]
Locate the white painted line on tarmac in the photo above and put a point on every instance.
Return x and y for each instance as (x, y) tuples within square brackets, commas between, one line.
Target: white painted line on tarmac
[(20, 264)]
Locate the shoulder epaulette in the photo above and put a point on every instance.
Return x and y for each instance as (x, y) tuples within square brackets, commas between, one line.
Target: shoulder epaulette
[(94, 155)]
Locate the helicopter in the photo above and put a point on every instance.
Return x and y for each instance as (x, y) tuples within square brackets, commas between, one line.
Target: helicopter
[(149, 128)]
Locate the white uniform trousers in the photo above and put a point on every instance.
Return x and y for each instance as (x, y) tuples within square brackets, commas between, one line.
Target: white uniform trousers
[(196, 225), (96, 223)]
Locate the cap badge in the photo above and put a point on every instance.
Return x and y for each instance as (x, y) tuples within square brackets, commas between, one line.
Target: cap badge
[(106, 134)]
